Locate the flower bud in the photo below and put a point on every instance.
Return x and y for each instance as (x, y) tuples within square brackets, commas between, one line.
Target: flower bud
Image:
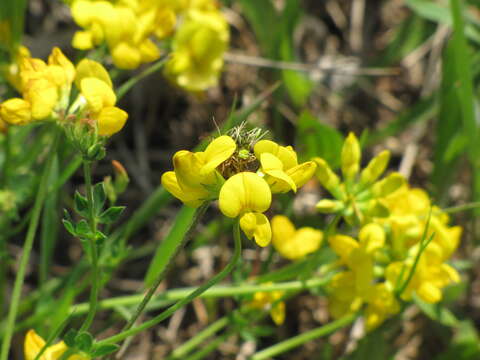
[(351, 155), (15, 111), (375, 168), (326, 176), (389, 184), (329, 206)]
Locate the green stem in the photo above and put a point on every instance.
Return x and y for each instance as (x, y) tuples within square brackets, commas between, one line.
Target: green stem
[(188, 234), (194, 294), (301, 339), (27, 248), (188, 346), (126, 86), (87, 171), (460, 208), (6, 163), (213, 292)]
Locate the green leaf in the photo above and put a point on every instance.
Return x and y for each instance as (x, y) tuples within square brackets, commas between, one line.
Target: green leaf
[(69, 337), (437, 312), (111, 215), (99, 197), (104, 350), (80, 204), (69, 227), (82, 229), (317, 139), (84, 342), (170, 243)]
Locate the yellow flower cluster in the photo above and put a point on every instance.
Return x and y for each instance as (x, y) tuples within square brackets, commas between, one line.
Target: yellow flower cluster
[(270, 300), (132, 29), (46, 89), (34, 343), (403, 242), (242, 176)]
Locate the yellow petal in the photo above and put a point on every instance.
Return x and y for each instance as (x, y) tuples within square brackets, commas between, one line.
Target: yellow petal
[(43, 96), (32, 345), (244, 192), (58, 58), (287, 155), (278, 313), (82, 12), (125, 56), (97, 93), (300, 174), (429, 293), (273, 167), (372, 237), (282, 229), (91, 69), (217, 152), (15, 111), (111, 120), (82, 40), (257, 226), (187, 166), (149, 51), (189, 198), (343, 245)]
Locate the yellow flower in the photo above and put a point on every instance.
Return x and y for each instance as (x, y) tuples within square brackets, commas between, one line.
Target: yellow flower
[(15, 111), (281, 168), (359, 256), (195, 179), (96, 89), (247, 195), (34, 343), (197, 50), (381, 304), (269, 300), (291, 243)]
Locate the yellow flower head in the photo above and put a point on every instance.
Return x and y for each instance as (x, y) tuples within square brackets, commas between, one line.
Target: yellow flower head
[(291, 243), (360, 197), (281, 168), (197, 50), (34, 343), (247, 195)]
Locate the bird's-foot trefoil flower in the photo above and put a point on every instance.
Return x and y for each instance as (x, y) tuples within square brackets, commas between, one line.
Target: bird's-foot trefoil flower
[(34, 343)]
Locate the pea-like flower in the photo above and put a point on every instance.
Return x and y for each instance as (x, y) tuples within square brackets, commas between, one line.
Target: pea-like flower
[(96, 90), (195, 178), (230, 171), (246, 196), (45, 87), (34, 343), (294, 243), (281, 168)]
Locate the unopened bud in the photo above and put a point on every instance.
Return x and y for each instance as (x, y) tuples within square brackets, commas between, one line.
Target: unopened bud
[(388, 185), (325, 175), (121, 177), (375, 168), (15, 111), (329, 206), (351, 155)]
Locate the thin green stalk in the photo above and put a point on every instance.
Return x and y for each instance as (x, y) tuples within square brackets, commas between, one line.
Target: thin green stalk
[(87, 171), (213, 292), (126, 86), (301, 339), (27, 248), (188, 346), (460, 208), (196, 293), (151, 291), (6, 162)]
